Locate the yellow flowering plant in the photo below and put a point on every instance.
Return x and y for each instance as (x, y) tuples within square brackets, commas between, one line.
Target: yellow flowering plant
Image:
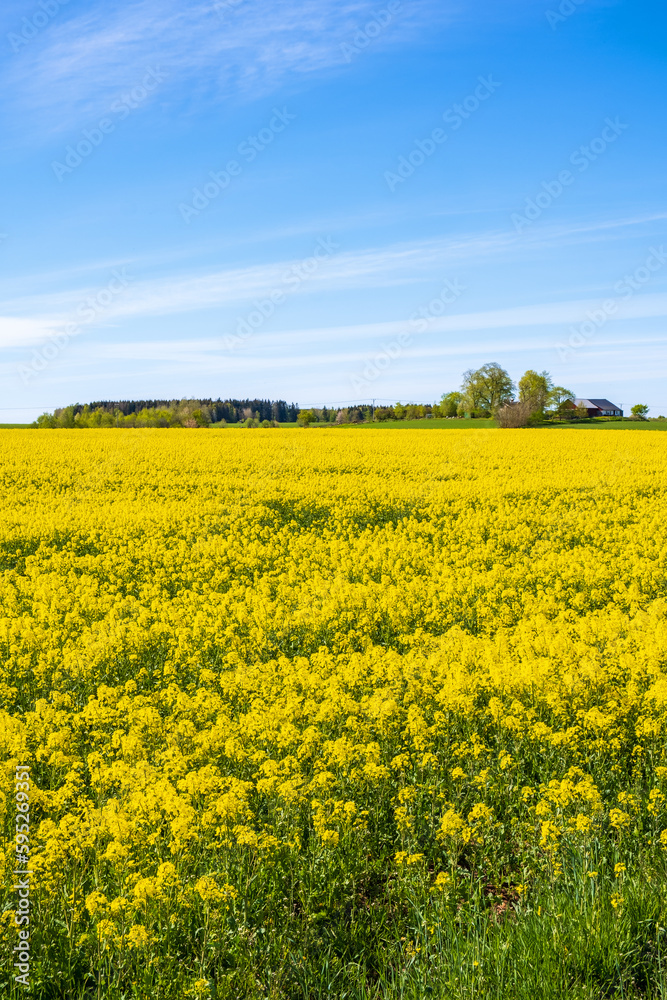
[(275, 690)]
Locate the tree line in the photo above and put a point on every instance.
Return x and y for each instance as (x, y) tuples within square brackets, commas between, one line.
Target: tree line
[(171, 413), (485, 392)]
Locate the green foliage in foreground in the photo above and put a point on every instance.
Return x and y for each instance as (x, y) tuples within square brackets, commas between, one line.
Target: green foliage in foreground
[(359, 931)]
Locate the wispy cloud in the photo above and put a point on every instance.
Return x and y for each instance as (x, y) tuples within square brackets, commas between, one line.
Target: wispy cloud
[(18, 331), (278, 346), (409, 263), (81, 60), (376, 267)]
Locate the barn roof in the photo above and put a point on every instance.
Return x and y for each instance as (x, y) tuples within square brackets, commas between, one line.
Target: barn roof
[(600, 404)]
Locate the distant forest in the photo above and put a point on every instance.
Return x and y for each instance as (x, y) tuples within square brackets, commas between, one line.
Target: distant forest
[(231, 410), (170, 413)]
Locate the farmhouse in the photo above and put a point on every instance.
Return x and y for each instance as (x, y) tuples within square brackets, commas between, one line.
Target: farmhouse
[(599, 407)]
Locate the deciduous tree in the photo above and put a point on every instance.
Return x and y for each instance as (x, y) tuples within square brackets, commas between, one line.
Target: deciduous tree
[(449, 403), (486, 389), (534, 389)]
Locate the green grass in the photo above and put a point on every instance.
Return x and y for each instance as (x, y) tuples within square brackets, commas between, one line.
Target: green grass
[(476, 424), (557, 947), (445, 424), (479, 423), (430, 425), (482, 423), (617, 425)]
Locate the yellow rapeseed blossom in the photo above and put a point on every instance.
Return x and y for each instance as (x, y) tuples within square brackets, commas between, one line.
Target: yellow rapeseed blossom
[(228, 656), (453, 825), (442, 881), (619, 819), (96, 902), (137, 936)]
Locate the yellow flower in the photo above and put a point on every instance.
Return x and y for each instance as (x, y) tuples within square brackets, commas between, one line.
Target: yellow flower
[(201, 989), (118, 906), (106, 932), (452, 825), (330, 838), (145, 889), (442, 881), (583, 823), (137, 936), (210, 892), (480, 813), (266, 652), (618, 819), (96, 902), (550, 834)]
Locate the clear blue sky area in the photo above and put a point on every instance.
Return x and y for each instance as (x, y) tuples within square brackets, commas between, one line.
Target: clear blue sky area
[(330, 201)]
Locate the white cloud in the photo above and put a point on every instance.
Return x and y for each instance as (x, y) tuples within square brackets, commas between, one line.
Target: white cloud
[(80, 61), (405, 263), (273, 350), (22, 331), (376, 267)]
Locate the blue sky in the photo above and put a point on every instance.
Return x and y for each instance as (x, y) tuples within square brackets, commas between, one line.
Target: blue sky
[(330, 201)]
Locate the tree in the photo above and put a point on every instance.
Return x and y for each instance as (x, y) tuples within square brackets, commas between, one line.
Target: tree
[(65, 416), (414, 412), (306, 417), (449, 403), (639, 411), (559, 397), (46, 420), (534, 389), (486, 389), (201, 418)]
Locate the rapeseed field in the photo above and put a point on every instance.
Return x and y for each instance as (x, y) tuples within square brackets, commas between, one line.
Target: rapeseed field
[(322, 713)]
